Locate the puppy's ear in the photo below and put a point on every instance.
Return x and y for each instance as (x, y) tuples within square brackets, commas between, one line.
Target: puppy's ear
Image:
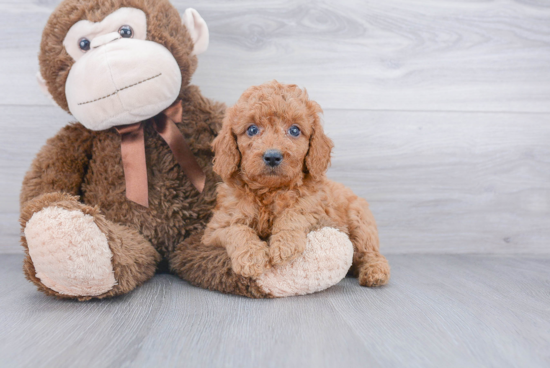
[(320, 147), (227, 156)]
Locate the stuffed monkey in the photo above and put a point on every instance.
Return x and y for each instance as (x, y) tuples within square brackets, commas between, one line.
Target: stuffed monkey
[(106, 198)]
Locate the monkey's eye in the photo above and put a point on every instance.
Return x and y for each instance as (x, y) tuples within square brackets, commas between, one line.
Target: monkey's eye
[(84, 44), (126, 31), (252, 130), (294, 131)]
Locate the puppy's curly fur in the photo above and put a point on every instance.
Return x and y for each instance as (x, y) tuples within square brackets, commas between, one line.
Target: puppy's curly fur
[(265, 212)]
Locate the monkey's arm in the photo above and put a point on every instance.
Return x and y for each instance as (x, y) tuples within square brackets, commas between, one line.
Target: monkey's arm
[(60, 165)]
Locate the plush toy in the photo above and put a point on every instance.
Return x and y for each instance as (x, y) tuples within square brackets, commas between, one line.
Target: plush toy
[(280, 227), (108, 197)]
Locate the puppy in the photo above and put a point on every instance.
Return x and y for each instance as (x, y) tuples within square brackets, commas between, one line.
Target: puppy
[(272, 154)]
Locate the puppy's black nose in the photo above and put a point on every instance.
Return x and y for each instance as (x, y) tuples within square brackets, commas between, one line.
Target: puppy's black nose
[(273, 157)]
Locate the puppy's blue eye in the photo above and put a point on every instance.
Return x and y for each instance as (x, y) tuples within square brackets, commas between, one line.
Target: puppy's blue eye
[(84, 44), (252, 130), (294, 131)]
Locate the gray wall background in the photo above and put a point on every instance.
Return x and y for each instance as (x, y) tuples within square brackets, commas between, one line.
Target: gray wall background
[(439, 109)]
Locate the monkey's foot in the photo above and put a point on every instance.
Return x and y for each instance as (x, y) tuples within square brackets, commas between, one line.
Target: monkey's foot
[(324, 263), (71, 255)]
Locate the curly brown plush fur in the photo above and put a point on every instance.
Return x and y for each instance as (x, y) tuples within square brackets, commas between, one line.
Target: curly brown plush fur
[(263, 213), (81, 170)]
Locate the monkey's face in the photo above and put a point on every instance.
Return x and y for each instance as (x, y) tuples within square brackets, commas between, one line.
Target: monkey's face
[(119, 75)]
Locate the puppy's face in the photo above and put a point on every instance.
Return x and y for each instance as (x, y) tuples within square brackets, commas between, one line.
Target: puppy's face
[(272, 138), (273, 147)]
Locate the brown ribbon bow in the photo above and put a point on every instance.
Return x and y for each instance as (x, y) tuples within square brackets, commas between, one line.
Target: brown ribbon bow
[(133, 153)]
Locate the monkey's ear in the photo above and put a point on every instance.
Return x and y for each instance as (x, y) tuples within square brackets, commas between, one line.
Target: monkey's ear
[(197, 28), (44, 87)]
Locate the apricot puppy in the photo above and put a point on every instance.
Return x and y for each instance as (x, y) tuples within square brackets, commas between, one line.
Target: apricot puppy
[(272, 154)]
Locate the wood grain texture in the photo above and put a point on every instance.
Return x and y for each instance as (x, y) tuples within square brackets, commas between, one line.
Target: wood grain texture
[(10, 233), (448, 182), (437, 311), (437, 182), (356, 54), (392, 55)]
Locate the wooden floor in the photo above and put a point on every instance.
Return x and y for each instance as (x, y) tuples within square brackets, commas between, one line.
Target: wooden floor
[(438, 311)]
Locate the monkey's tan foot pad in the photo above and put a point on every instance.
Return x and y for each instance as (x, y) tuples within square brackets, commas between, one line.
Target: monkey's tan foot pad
[(70, 253), (325, 262)]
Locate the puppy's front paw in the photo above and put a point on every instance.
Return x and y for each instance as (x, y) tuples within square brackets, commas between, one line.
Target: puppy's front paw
[(286, 247), (374, 274), (251, 261)]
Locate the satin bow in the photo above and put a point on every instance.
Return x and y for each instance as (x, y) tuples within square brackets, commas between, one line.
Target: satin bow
[(133, 153)]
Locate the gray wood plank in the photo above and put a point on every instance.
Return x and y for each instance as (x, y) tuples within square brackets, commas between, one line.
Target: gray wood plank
[(456, 311), (437, 182), (9, 233), (452, 311), (395, 55), (448, 182)]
